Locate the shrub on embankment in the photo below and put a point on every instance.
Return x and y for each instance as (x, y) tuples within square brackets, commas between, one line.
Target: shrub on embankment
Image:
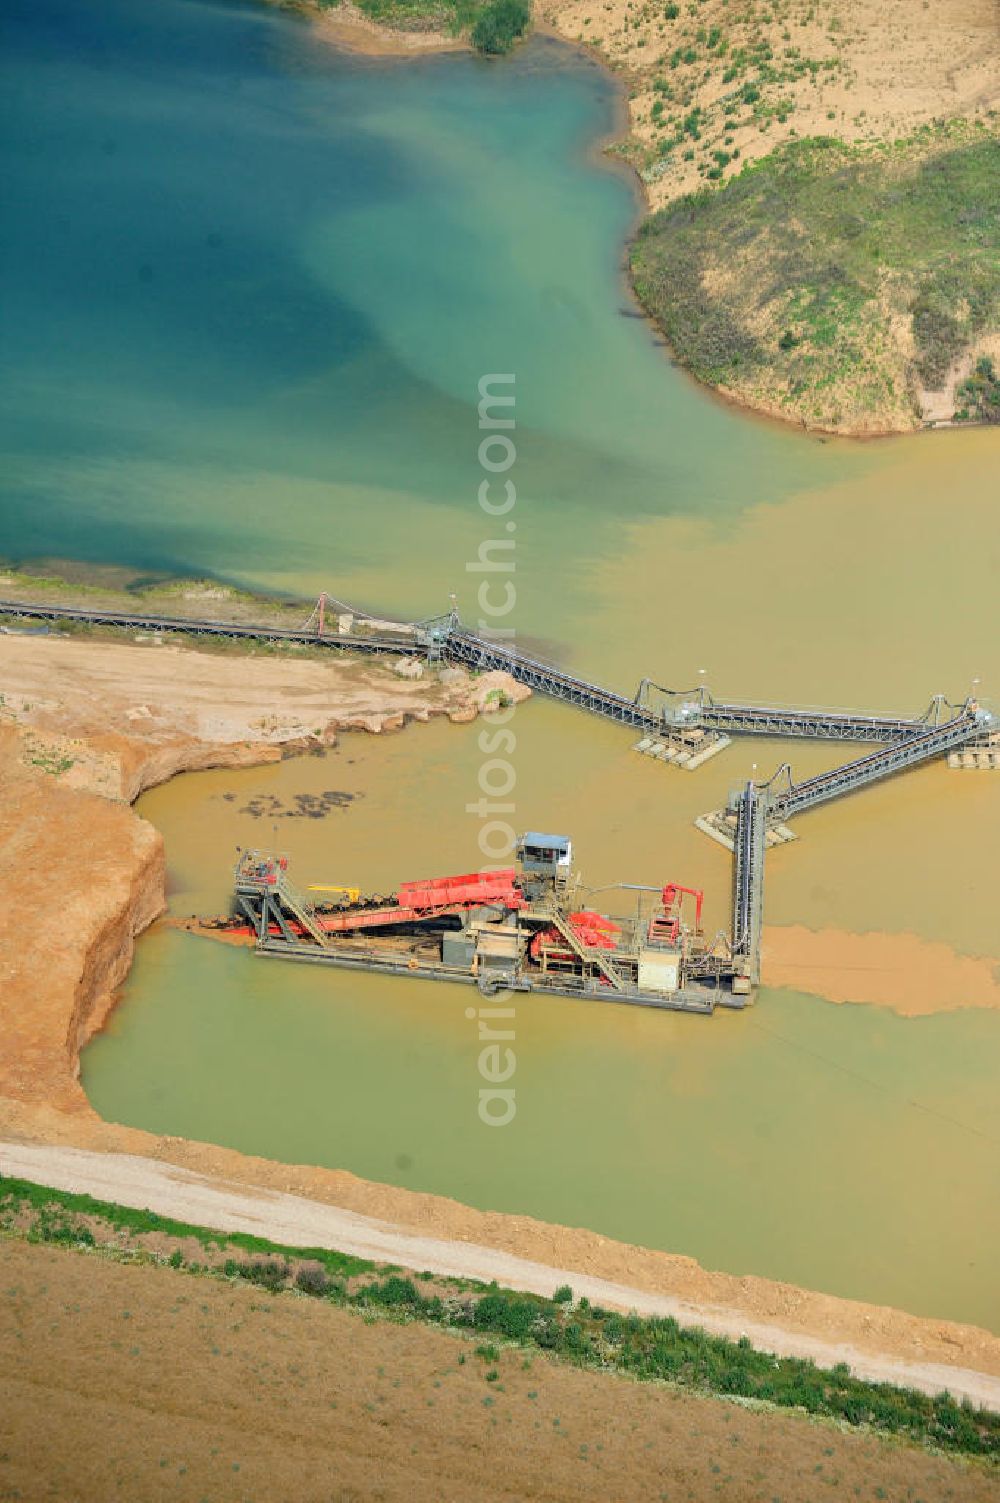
[(645, 1348), (499, 25), (979, 394), (493, 27), (833, 283)]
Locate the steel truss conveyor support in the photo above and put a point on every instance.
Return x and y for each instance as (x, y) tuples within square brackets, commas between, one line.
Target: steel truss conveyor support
[(821, 725), (660, 711), (185, 626), (794, 798), (748, 878), (461, 646)]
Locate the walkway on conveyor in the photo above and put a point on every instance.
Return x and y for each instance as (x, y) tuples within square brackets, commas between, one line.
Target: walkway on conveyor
[(136, 621), (748, 877), (910, 752), (460, 646), (910, 740), (695, 710)]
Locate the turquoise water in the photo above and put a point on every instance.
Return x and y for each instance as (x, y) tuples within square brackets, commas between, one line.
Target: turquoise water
[(255, 285), (251, 288)]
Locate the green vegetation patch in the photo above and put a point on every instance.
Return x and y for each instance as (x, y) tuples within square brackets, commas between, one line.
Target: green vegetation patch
[(572, 1330), (979, 395), (452, 16), (835, 279), (493, 27), (499, 25), (57, 1216)]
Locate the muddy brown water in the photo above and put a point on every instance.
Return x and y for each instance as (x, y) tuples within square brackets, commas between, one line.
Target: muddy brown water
[(843, 1148)]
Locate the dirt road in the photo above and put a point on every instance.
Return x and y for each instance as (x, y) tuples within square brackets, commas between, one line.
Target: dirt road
[(290, 1219)]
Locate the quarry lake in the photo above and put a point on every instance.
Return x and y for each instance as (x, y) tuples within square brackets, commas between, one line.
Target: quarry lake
[(252, 288)]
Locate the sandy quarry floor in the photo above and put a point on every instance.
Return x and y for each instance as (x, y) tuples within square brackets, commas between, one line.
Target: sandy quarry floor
[(128, 1382), (85, 700)]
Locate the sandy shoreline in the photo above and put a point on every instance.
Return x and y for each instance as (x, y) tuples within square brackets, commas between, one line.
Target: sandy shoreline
[(131, 716), (350, 30)]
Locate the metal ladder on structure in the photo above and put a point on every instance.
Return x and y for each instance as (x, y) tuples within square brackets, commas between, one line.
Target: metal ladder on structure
[(586, 953), (301, 909)]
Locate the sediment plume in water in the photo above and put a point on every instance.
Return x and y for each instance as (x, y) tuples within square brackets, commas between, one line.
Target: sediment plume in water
[(912, 976)]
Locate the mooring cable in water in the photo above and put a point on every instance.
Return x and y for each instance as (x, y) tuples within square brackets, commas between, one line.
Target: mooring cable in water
[(874, 1085)]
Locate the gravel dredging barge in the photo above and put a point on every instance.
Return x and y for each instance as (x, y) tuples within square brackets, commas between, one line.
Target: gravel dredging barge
[(520, 929)]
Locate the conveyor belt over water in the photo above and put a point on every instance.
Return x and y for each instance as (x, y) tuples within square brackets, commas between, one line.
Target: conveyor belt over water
[(465, 647), (911, 752), (748, 877), (679, 710), (445, 636), (825, 725)]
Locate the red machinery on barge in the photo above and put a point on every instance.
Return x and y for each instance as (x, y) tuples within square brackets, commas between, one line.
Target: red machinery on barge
[(517, 929)]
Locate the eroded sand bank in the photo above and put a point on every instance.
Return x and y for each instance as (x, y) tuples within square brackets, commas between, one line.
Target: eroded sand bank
[(85, 727)]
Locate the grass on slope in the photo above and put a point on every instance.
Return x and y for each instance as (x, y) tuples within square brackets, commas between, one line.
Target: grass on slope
[(575, 1331), (493, 26), (832, 282)]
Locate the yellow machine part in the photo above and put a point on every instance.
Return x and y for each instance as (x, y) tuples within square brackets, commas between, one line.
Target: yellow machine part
[(352, 894)]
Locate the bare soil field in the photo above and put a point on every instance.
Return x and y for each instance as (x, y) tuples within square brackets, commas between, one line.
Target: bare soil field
[(136, 1382)]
